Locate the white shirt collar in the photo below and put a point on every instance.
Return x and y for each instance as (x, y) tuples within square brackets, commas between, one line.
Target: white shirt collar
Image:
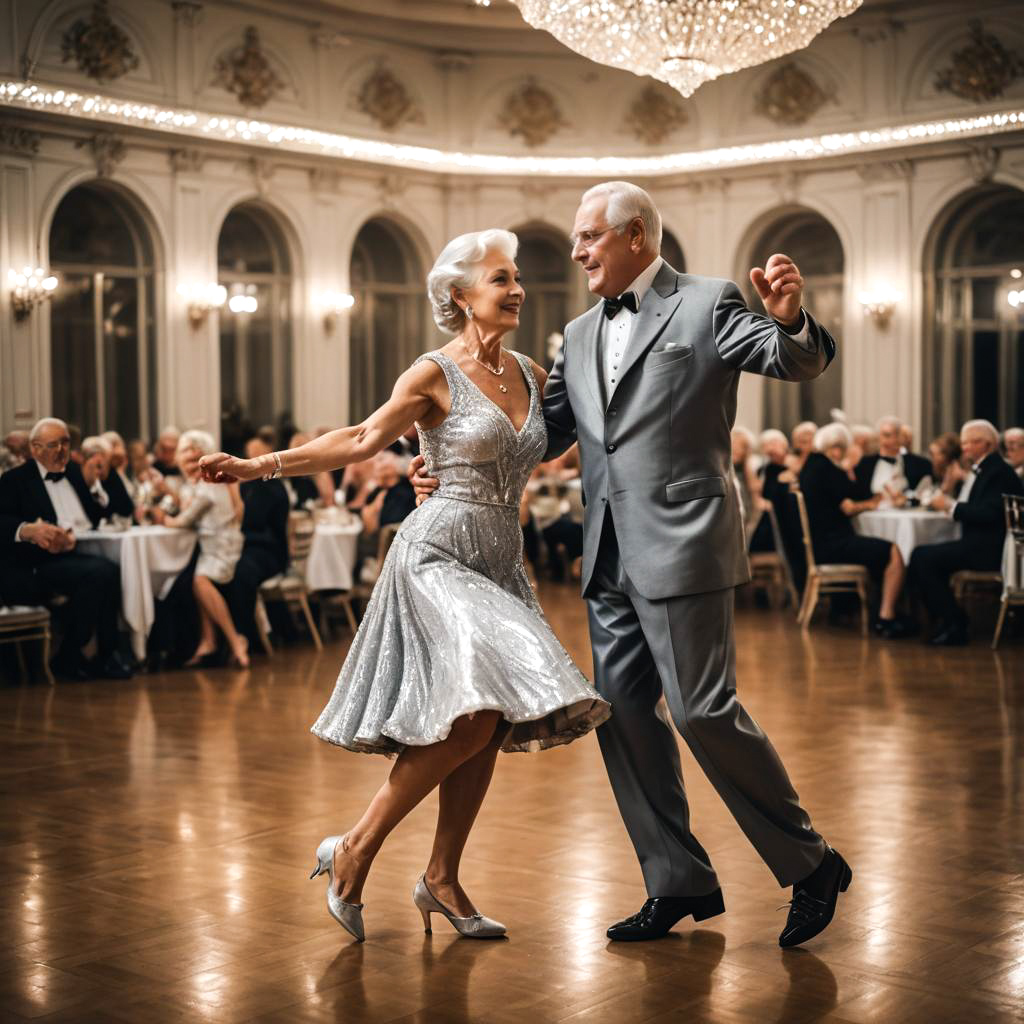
[(43, 470), (643, 281)]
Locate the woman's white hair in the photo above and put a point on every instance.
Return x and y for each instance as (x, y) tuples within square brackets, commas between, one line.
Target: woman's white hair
[(458, 266), (95, 446), (626, 202), (197, 439), (832, 435), (771, 434)]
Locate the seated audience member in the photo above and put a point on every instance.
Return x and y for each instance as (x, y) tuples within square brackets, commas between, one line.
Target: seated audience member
[(104, 484), (947, 472), (165, 452), (550, 513), (831, 496), (408, 445), (118, 469), (15, 450), (214, 510), (1013, 442), (393, 499), (357, 482), (892, 474), (265, 551), (979, 510), (306, 491), (865, 441), (43, 504), (747, 483), (802, 443), (75, 433), (774, 449)]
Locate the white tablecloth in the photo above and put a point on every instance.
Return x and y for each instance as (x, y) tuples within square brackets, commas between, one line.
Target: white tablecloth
[(151, 557), (332, 556), (907, 528)]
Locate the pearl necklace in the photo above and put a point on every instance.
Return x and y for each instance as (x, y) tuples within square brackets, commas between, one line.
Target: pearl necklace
[(487, 366)]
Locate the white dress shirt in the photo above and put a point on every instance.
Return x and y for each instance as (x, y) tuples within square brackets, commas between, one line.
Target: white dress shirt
[(888, 473), (619, 329), (65, 504)]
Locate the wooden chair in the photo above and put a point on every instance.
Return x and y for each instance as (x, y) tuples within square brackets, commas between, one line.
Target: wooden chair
[(833, 578), (290, 587), (1013, 588), (23, 622), (360, 591), (771, 569)]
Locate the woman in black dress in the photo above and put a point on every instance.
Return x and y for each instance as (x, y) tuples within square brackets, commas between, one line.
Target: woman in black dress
[(831, 496)]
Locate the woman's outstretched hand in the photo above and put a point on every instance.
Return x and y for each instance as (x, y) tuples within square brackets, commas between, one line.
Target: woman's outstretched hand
[(222, 468)]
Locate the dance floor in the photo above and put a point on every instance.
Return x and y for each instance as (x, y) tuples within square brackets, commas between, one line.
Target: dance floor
[(157, 838)]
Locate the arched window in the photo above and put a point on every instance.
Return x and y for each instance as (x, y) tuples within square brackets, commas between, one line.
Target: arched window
[(255, 343), (102, 336), (974, 337), (812, 243), (547, 273), (388, 325), (672, 251)]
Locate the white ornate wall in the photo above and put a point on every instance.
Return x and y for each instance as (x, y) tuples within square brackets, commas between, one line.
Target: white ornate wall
[(874, 71)]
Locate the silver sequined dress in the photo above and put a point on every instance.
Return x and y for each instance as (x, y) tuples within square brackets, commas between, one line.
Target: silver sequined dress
[(453, 626)]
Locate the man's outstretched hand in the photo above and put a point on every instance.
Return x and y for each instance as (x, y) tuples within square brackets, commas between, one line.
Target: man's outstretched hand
[(781, 288), (424, 486)]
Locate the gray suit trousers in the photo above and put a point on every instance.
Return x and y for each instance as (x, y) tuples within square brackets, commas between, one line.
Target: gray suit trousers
[(683, 647)]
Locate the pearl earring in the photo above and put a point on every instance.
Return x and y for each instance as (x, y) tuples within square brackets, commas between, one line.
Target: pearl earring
[(469, 312)]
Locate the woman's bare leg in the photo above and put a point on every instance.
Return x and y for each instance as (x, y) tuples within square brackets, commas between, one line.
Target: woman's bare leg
[(892, 584), (461, 796), (211, 601), (417, 771), (207, 639)]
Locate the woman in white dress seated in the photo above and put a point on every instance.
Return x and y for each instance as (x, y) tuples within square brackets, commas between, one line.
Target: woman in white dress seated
[(453, 660), (215, 512)]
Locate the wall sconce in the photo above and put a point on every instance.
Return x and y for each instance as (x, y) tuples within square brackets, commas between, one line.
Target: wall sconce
[(28, 289), (1015, 299), (243, 299), (202, 298), (879, 306), (334, 304)]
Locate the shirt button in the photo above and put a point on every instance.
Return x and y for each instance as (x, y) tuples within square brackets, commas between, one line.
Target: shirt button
[(611, 448)]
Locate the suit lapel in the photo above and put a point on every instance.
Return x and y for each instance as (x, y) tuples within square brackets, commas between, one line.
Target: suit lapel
[(40, 497), (592, 368), (655, 312)]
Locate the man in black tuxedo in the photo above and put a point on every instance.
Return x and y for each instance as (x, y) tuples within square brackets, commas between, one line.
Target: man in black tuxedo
[(42, 505), (892, 467), (979, 510)]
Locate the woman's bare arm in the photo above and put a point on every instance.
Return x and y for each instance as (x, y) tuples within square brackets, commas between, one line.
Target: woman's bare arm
[(417, 392)]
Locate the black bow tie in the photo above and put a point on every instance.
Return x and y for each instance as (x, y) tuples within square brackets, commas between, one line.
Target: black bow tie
[(891, 459), (625, 300), (56, 477)]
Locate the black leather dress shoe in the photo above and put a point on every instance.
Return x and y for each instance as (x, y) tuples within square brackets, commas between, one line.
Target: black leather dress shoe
[(951, 636), (814, 900), (657, 916), (71, 669), (111, 667)]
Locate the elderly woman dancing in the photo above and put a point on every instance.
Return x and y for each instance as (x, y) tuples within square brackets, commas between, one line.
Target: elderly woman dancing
[(454, 659)]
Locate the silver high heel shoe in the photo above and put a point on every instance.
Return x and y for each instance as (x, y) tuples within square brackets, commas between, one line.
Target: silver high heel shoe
[(348, 915), (475, 927)]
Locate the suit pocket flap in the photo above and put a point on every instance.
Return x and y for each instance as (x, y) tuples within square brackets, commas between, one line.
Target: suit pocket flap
[(666, 356), (698, 487)]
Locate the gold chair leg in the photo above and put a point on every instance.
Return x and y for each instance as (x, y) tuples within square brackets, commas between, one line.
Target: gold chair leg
[(304, 605), (22, 667), (1003, 606), (810, 601), (862, 593), (350, 614), (46, 658), (261, 618)]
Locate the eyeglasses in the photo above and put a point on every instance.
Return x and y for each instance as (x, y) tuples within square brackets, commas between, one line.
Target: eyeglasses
[(52, 446), (588, 238)]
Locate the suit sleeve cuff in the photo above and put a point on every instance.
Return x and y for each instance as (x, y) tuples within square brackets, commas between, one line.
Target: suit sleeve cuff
[(799, 332), (17, 534)]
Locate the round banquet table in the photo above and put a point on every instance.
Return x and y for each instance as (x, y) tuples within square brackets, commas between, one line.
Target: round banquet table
[(150, 557), (907, 528), (332, 555)]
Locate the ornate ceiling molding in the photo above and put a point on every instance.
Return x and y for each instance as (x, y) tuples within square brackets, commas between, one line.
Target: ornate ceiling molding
[(655, 115), (15, 139), (791, 96), (532, 113), (100, 48), (108, 150), (246, 72), (384, 97), (982, 70), (191, 124)]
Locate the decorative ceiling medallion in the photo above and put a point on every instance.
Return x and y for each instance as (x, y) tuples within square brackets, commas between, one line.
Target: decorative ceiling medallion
[(384, 97), (981, 70), (99, 47), (532, 113), (247, 73), (790, 96), (655, 115), (684, 44)]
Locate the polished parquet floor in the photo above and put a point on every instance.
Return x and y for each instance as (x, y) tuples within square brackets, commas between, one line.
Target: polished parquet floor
[(157, 837)]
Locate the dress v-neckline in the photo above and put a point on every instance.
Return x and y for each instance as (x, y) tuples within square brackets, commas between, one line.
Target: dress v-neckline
[(530, 387)]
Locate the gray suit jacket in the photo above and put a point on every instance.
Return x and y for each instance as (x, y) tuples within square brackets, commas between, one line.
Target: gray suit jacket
[(657, 452)]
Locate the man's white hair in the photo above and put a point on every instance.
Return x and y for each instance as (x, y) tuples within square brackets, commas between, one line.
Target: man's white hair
[(833, 435), (96, 446), (806, 425), (112, 437), (747, 435), (771, 434), (984, 427), (889, 421), (627, 202), (458, 266), (197, 439), (41, 425), (1013, 434), (169, 431)]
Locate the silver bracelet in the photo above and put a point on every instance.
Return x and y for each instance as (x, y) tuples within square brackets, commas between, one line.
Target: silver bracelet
[(278, 469)]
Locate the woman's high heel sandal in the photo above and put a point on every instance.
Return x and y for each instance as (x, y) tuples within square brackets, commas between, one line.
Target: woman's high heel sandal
[(475, 927), (348, 915)]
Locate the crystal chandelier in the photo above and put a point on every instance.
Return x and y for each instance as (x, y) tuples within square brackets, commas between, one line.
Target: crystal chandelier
[(684, 42)]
